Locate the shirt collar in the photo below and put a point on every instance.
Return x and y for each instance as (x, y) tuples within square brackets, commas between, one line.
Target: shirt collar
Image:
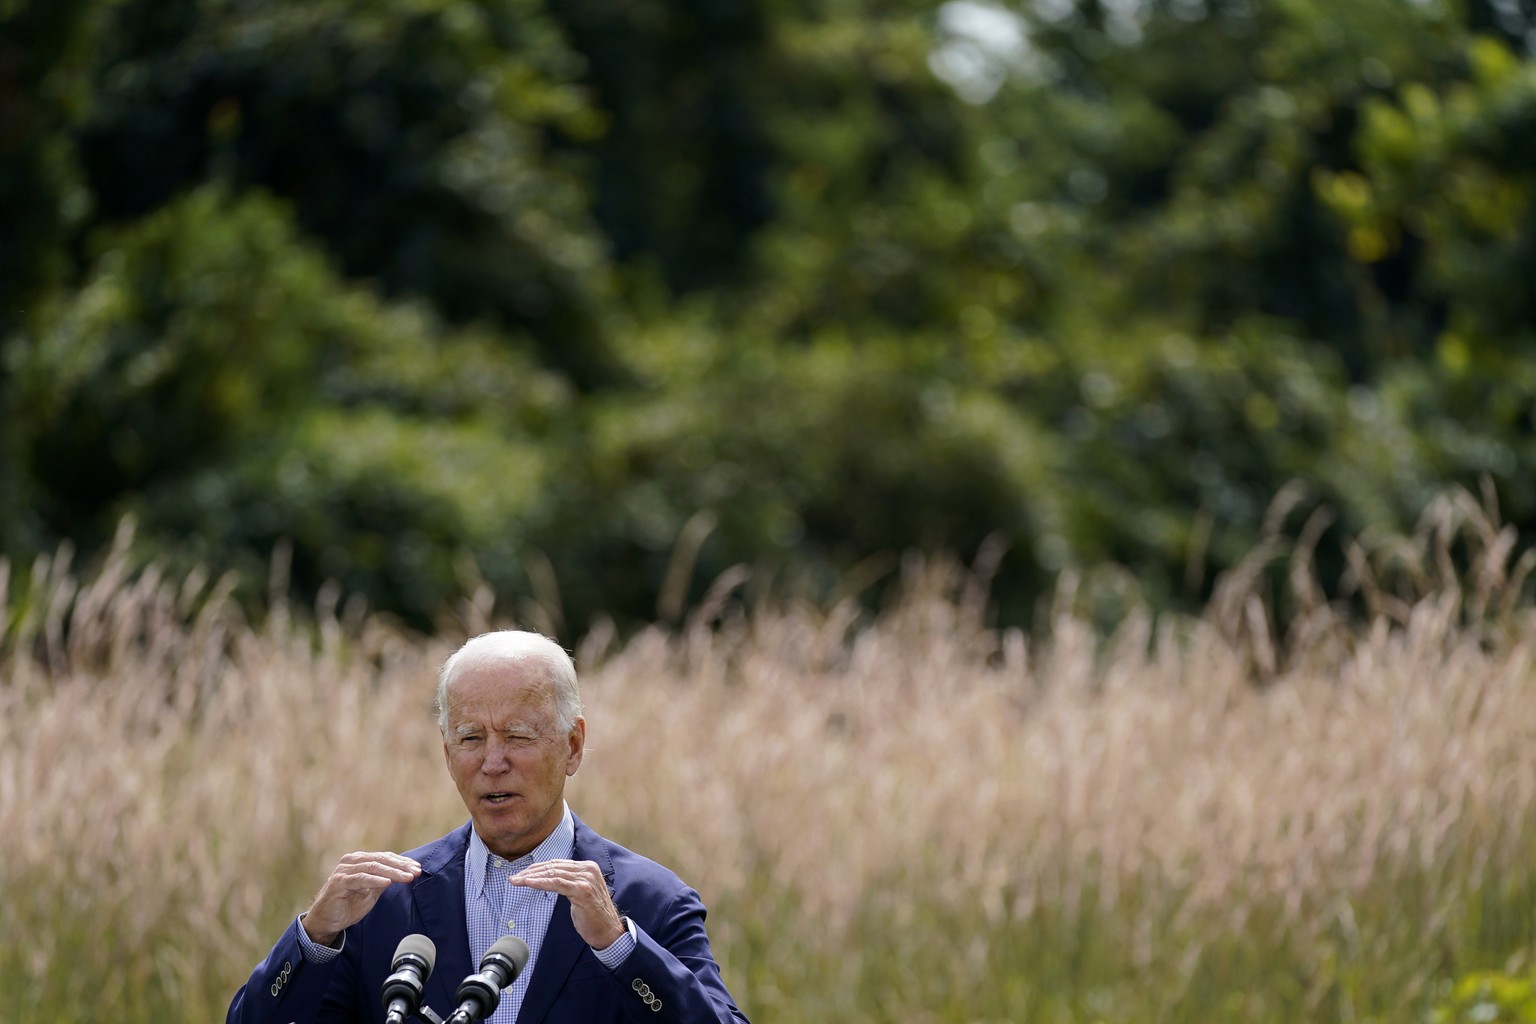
[(558, 845)]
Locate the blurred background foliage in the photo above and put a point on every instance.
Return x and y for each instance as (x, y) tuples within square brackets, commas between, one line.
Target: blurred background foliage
[(594, 301)]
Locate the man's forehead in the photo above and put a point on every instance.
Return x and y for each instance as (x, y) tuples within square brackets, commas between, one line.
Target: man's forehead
[(500, 681)]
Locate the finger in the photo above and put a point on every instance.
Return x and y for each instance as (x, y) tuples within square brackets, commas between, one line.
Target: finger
[(389, 855), (563, 867), (555, 873), (393, 868), (381, 858), (383, 871), (365, 881), (579, 886)]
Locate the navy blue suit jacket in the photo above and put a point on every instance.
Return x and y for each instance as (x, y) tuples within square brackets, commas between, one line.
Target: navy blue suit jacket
[(672, 961)]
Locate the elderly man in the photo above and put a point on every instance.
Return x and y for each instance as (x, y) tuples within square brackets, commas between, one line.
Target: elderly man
[(612, 936)]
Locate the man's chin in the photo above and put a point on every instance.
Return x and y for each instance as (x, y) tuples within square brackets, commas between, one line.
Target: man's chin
[(509, 835)]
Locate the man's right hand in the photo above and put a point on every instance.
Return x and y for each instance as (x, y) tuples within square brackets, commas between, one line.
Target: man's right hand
[(352, 890)]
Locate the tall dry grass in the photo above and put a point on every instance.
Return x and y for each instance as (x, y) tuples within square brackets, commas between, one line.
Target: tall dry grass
[(905, 817)]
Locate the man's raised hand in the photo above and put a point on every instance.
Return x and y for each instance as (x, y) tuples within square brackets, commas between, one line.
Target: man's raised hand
[(352, 890), (596, 919)]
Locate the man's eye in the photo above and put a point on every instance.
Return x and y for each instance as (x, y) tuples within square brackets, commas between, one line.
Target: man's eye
[(468, 741)]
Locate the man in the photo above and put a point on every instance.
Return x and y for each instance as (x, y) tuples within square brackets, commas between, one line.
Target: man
[(614, 936)]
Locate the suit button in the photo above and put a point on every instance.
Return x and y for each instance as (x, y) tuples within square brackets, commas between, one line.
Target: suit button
[(637, 985)]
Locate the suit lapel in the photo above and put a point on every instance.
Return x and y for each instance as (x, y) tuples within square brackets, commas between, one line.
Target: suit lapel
[(562, 946), (439, 898)]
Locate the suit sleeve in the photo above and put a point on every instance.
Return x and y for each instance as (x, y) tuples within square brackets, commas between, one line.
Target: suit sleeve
[(672, 977), (287, 989)]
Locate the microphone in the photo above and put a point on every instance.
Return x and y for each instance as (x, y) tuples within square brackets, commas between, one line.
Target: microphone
[(412, 965), (479, 994)]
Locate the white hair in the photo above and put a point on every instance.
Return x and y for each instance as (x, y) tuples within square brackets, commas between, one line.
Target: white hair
[(515, 646)]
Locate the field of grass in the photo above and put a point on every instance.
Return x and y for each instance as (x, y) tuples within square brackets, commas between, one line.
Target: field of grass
[(903, 817)]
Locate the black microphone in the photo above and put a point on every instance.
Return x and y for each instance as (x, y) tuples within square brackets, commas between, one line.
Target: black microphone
[(412, 965), (479, 994)]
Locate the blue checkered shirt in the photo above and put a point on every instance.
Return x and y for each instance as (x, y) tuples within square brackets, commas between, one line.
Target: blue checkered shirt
[(493, 909)]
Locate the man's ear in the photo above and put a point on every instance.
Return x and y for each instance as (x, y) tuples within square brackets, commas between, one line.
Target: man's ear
[(578, 745)]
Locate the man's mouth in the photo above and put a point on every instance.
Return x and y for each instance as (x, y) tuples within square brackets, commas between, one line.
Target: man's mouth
[(498, 798)]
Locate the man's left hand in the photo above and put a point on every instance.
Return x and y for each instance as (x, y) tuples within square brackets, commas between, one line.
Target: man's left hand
[(596, 919)]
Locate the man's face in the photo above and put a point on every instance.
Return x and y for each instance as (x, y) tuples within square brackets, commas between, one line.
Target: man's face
[(507, 754)]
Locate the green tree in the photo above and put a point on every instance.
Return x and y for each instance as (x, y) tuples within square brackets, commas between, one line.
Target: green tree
[(414, 140), (214, 379), (680, 174), (45, 51)]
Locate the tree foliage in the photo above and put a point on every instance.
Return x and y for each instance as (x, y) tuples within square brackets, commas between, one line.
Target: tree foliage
[(575, 298)]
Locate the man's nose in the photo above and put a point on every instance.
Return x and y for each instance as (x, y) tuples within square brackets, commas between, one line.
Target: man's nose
[(498, 758)]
